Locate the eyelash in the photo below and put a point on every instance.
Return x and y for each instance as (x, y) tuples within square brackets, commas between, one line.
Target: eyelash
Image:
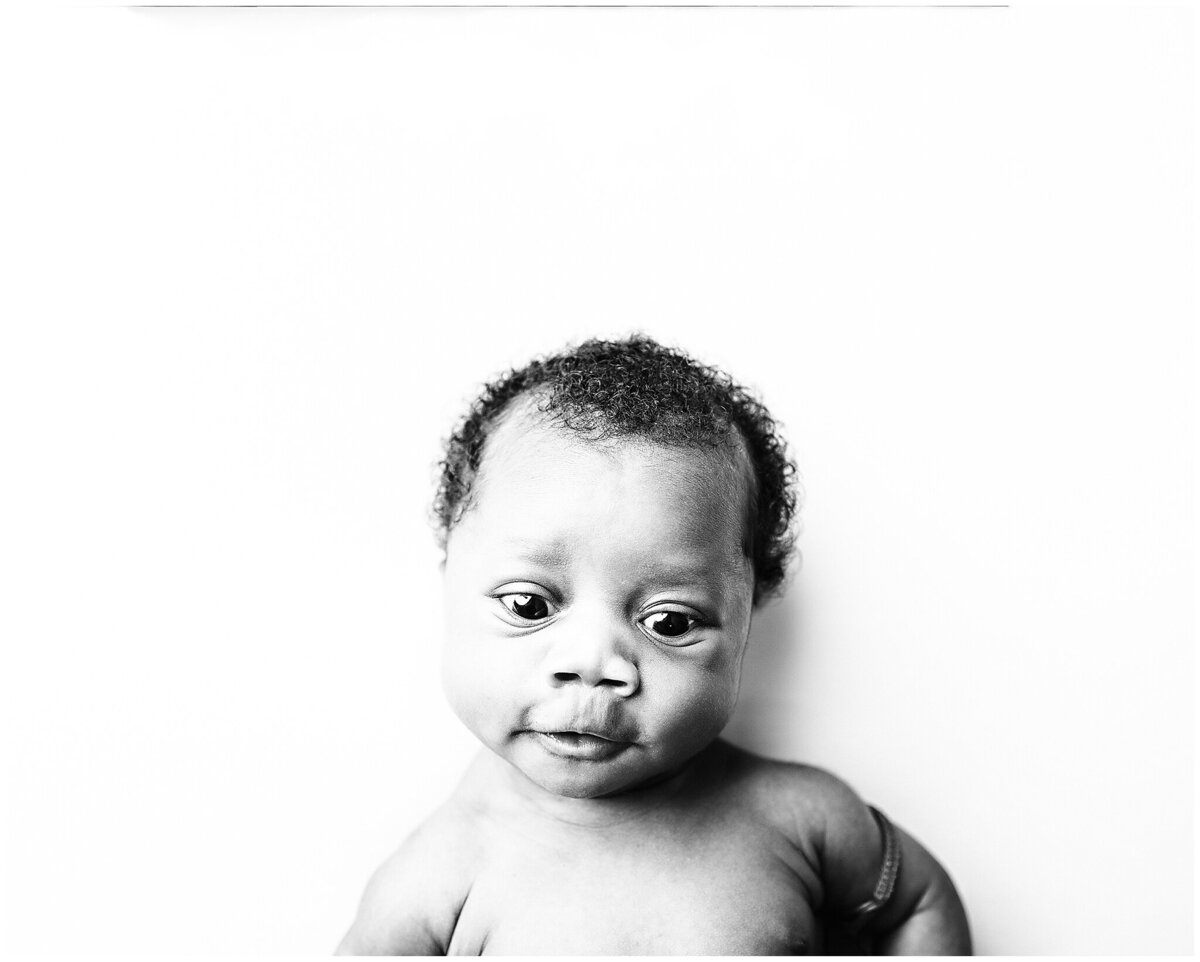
[(510, 600)]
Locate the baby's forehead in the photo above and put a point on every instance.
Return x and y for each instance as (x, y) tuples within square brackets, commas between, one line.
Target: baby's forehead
[(695, 487)]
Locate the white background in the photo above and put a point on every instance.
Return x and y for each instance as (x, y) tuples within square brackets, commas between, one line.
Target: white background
[(258, 260)]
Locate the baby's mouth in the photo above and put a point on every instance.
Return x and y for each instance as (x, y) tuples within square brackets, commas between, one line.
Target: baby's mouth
[(585, 746), (576, 738)]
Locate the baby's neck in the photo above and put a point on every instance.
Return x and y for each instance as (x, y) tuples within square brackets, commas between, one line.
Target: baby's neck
[(511, 793)]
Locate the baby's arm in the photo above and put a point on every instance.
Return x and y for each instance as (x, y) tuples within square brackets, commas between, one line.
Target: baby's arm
[(411, 903), (923, 915)]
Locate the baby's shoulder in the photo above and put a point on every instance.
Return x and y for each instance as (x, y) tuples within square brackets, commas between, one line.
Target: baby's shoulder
[(450, 837), (803, 800), (412, 902)]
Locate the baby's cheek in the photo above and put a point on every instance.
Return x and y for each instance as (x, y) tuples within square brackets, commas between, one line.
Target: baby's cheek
[(721, 665), (461, 676), (715, 685), (476, 679), (697, 704)]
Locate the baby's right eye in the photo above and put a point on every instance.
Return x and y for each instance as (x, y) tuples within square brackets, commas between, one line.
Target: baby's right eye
[(527, 607)]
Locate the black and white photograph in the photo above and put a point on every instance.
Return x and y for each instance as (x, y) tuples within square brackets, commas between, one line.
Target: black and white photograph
[(559, 479)]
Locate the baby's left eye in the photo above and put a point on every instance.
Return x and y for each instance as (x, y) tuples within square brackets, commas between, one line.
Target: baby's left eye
[(670, 624)]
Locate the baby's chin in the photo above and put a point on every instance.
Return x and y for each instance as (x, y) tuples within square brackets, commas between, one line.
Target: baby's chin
[(582, 779), (580, 788), (590, 786)]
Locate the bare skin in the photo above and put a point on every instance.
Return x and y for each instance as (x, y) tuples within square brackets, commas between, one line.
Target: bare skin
[(725, 858), (598, 602)]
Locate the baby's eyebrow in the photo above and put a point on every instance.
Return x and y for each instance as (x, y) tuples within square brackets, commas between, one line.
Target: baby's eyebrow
[(686, 570), (552, 555)]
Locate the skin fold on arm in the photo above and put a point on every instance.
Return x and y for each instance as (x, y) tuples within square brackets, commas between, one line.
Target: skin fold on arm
[(923, 916)]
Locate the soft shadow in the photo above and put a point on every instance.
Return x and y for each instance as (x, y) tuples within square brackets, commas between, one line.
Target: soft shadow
[(767, 719)]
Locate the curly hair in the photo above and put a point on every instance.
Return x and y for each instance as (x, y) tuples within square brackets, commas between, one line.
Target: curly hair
[(637, 388)]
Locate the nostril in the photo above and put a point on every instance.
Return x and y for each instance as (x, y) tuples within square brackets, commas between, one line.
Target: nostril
[(574, 677)]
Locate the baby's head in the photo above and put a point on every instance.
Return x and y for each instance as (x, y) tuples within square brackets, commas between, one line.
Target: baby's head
[(610, 515)]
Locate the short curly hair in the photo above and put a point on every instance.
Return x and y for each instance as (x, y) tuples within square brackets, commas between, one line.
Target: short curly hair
[(637, 388)]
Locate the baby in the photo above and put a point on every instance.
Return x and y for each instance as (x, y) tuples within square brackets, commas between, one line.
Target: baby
[(611, 517)]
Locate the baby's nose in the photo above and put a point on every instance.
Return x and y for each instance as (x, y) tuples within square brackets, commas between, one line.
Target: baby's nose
[(594, 662)]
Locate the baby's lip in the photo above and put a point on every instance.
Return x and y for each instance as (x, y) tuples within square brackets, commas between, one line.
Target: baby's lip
[(590, 718), (582, 745), (593, 725), (570, 733)]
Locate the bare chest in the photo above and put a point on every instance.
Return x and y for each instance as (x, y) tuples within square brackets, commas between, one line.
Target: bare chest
[(724, 890)]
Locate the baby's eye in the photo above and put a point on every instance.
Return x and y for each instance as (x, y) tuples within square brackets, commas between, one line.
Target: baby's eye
[(526, 606), (670, 624)]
